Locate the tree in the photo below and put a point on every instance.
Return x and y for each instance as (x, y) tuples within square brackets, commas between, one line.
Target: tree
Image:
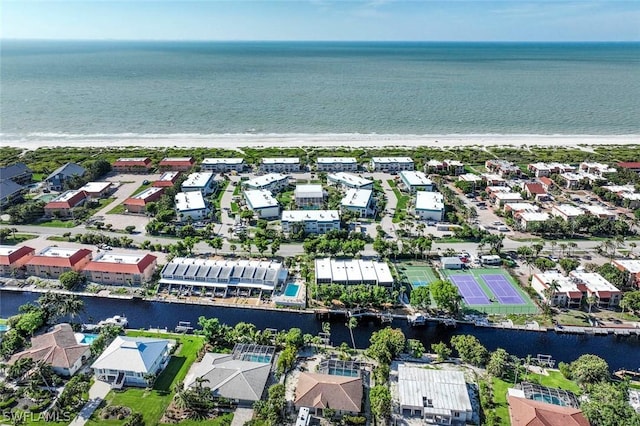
[(568, 264), (129, 229), (470, 349), (380, 398), (442, 350), (446, 295), (217, 334), (415, 348), (607, 405), (275, 246), (286, 360), (386, 344), (498, 363), (71, 279), (631, 301), (215, 243), (420, 297), (351, 324), (589, 369), (233, 248)]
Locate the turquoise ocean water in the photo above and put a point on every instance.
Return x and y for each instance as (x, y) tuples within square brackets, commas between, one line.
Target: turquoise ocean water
[(153, 88)]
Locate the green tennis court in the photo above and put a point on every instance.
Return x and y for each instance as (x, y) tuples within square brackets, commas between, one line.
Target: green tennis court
[(419, 276)]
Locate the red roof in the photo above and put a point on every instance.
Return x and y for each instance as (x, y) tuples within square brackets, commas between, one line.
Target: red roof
[(71, 202), (128, 162), (183, 162), (527, 412), (630, 164), (60, 261), (535, 188), (546, 181), (16, 255), (127, 268)]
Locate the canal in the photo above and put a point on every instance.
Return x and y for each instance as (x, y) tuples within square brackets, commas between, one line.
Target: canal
[(619, 352)]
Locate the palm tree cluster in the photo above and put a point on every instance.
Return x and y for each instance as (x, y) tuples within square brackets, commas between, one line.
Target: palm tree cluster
[(196, 402)]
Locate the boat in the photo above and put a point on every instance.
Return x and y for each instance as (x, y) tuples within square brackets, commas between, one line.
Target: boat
[(120, 320)]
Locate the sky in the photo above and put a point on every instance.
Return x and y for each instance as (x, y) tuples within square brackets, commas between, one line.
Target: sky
[(339, 20)]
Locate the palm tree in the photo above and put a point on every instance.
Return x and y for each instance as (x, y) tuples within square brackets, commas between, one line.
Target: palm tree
[(591, 300), (351, 324), (633, 246), (554, 244)]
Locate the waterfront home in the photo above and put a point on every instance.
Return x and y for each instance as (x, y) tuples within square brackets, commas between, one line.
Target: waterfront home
[(348, 180), (541, 169), (544, 406), (57, 180), (177, 164), (124, 269), (309, 196), (132, 361), (598, 169), (96, 190), (391, 164), (50, 262), (594, 285), (222, 165), (632, 266), (504, 169), (359, 201), (412, 181), (203, 182), (132, 165), (191, 207), (16, 172), (138, 203), (566, 211), (280, 165), (262, 203), (10, 192), (166, 179), (57, 348), (437, 396), (429, 206), (64, 204), (337, 164), (566, 292), (274, 182), (319, 392), (352, 272), (13, 259), (310, 221)]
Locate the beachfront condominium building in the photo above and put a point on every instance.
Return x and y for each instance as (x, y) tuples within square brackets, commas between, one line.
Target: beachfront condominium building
[(203, 182), (132, 165), (505, 169), (337, 164), (353, 272), (359, 201), (280, 165), (262, 203), (64, 204), (309, 196), (191, 207), (57, 180), (228, 277), (167, 179), (348, 180), (391, 164), (566, 211), (274, 182), (310, 221), (223, 165), (178, 164), (429, 206), (53, 261), (450, 167), (595, 286), (17, 172), (123, 269), (540, 169), (97, 190), (138, 203), (412, 181), (13, 259)]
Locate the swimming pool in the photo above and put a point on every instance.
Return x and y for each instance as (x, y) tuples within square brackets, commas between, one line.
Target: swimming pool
[(3, 328), (257, 358), (291, 290), (549, 399), (85, 339), (347, 372)]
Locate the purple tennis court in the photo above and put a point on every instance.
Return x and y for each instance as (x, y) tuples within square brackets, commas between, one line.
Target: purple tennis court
[(502, 288), (470, 290)]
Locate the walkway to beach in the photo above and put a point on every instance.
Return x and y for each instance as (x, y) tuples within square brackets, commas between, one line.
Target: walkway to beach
[(97, 393)]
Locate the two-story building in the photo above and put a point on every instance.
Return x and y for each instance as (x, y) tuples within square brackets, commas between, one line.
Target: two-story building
[(348, 180), (413, 181), (391, 164), (280, 165), (429, 206), (64, 204), (223, 165), (16, 172), (360, 201), (53, 261), (177, 164), (132, 165), (262, 203), (13, 260), (138, 203), (311, 221), (57, 180), (337, 164), (191, 207), (166, 180), (274, 182), (122, 269), (203, 182), (309, 196)]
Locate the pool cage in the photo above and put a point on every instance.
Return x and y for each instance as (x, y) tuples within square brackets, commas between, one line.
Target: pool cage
[(553, 396), (338, 367), (253, 352)]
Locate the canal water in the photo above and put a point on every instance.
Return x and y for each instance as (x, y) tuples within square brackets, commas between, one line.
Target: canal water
[(619, 352)]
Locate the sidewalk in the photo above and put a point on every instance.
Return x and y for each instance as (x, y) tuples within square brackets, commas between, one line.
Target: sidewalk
[(97, 393)]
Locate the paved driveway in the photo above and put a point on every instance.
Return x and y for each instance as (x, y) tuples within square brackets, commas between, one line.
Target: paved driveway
[(97, 394)]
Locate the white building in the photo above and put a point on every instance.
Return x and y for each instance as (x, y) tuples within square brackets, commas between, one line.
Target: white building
[(262, 203), (337, 164), (437, 396), (414, 181), (221, 165), (352, 272), (566, 211), (526, 218), (348, 180), (600, 212), (311, 221), (493, 179), (309, 196), (506, 197), (391, 164), (274, 182), (545, 169), (429, 206), (281, 164), (471, 178), (520, 207), (201, 181), (359, 201), (598, 169), (191, 206), (606, 294), (567, 292), (96, 189)]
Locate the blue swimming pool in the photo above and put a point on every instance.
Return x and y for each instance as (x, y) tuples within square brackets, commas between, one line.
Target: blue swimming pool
[(86, 339), (257, 358), (3, 328), (291, 290)]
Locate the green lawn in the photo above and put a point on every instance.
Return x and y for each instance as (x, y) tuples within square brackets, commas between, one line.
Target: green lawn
[(152, 403), (237, 190), (57, 223), (235, 208), (224, 420), (500, 399), (401, 205), (220, 193), (285, 198), (119, 209), (19, 238)]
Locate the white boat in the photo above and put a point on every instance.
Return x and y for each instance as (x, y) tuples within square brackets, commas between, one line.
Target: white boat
[(120, 320)]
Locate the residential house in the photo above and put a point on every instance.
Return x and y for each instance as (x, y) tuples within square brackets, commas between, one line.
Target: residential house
[(309, 196), (57, 348), (320, 392), (474, 180), (311, 221), (535, 191), (429, 206), (453, 167), (16, 172), (391, 164), (123, 269), (96, 190), (274, 182), (413, 181), (167, 179), (177, 164), (546, 183), (280, 165), (262, 203), (203, 182), (132, 361), (359, 201), (529, 412), (64, 204), (10, 192), (132, 165), (573, 180), (600, 212), (566, 211), (138, 203), (337, 164), (492, 179), (353, 272), (191, 207), (546, 169), (501, 198), (632, 266), (597, 169), (13, 259), (223, 165), (348, 180), (50, 262), (57, 180)]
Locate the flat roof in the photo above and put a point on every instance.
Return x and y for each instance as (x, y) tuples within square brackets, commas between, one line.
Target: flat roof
[(260, 198), (309, 191), (129, 259), (357, 198), (508, 196), (534, 216), (310, 215), (147, 193), (352, 270), (599, 210), (445, 389), (631, 265), (7, 250), (415, 178), (336, 160), (168, 176), (264, 180), (426, 200), (280, 160), (565, 284), (594, 281), (95, 186), (192, 200), (229, 161), (133, 159), (349, 179), (391, 160), (519, 207), (620, 188), (568, 209), (177, 159), (470, 177), (492, 176), (57, 252), (66, 196), (198, 180), (631, 196)]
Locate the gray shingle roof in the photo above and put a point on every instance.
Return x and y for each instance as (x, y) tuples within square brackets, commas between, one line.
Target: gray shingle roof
[(68, 170), (13, 170)]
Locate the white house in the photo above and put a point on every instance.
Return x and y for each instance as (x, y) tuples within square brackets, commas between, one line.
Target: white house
[(337, 164), (191, 206), (348, 180), (429, 205), (201, 181), (566, 211), (309, 196), (526, 218), (598, 169), (312, 221), (274, 182), (501, 198), (567, 292), (359, 201), (414, 181), (262, 203), (391, 164), (600, 212), (129, 361), (220, 165), (606, 294), (280, 165), (352, 271)]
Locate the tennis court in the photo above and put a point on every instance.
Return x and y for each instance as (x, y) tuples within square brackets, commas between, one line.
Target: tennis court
[(470, 290), (506, 294), (419, 276)]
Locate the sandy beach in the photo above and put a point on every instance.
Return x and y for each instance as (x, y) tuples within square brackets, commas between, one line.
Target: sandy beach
[(233, 141)]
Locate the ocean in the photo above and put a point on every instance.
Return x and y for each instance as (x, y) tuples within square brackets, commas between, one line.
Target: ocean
[(61, 89)]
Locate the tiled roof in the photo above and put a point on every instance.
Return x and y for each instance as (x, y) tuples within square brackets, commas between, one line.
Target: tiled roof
[(68, 203), (629, 164), (58, 348), (126, 268), (132, 162), (535, 188), (526, 412), (60, 261), (15, 255), (326, 391)]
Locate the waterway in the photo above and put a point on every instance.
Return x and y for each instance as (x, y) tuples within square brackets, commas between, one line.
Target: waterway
[(619, 352)]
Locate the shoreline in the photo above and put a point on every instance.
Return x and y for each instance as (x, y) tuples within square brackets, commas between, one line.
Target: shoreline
[(295, 140)]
